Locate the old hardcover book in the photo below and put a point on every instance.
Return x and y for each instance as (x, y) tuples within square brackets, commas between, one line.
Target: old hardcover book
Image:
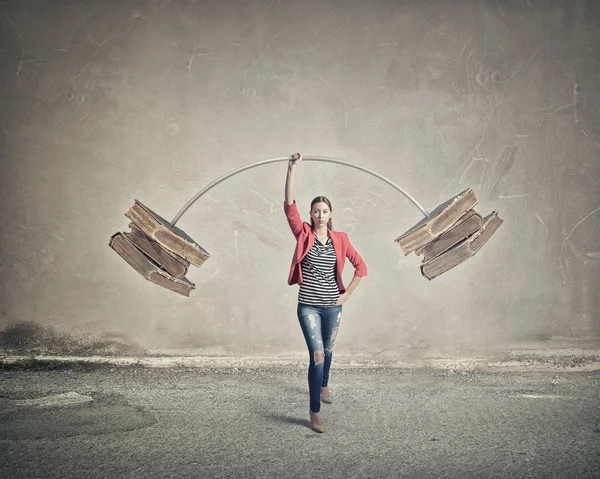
[(169, 237), (463, 250), (170, 262), (148, 268), (466, 225), (440, 219)]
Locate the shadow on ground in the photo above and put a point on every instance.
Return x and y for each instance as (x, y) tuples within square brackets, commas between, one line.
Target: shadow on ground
[(288, 420)]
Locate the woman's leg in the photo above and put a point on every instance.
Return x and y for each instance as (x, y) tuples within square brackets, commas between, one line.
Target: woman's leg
[(330, 323), (310, 322)]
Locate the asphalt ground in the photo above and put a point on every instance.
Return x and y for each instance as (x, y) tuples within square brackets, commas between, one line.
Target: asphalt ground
[(134, 422)]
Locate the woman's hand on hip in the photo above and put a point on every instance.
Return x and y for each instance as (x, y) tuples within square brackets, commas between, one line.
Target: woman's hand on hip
[(342, 299)]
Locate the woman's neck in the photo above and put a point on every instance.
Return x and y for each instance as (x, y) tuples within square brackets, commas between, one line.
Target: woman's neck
[(322, 232)]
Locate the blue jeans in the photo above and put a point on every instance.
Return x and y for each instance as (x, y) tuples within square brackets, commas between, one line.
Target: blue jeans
[(320, 327)]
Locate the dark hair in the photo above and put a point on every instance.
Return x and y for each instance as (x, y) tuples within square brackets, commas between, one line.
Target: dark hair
[(321, 199)]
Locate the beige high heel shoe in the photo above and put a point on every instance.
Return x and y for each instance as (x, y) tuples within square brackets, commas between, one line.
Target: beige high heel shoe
[(325, 397), (316, 421)]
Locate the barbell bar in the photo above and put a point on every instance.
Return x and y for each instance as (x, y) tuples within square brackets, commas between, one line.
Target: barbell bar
[(287, 158)]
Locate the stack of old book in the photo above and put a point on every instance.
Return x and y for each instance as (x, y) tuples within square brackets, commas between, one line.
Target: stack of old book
[(451, 234), (160, 252)]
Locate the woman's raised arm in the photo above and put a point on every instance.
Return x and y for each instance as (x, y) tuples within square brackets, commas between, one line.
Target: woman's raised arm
[(291, 173)]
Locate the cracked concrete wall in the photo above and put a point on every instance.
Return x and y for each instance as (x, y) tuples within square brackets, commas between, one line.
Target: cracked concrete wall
[(104, 102)]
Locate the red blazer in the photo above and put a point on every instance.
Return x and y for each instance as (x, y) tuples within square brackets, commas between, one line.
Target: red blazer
[(305, 238)]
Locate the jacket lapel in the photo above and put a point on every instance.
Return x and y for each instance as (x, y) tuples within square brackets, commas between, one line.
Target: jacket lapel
[(335, 240)]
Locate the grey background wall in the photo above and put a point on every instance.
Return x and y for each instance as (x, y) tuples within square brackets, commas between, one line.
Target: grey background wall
[(105, 102)]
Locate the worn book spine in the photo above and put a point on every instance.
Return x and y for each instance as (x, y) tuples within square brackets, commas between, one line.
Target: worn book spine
[(146, 267), (490, 224), (450, 215), (423, 249), (463, 250), (468, 224), (440, 220), (170, 262), (157, 229)]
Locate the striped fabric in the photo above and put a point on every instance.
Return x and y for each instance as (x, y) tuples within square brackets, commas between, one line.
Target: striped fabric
[(319, 286)]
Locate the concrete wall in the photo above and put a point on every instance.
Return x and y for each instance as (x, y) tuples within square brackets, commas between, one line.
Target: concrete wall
[(105, 102)]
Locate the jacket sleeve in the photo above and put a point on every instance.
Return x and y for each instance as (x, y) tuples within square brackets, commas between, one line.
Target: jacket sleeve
[(293, 217), (359, 264)]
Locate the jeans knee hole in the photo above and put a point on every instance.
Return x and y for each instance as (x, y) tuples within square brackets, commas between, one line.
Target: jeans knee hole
[(319, 357)]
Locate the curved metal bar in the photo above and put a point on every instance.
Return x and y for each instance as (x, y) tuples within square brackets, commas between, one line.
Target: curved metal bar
[(287, 158)]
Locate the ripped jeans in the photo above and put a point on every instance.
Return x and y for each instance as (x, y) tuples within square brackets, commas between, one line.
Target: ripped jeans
[(320, 327)]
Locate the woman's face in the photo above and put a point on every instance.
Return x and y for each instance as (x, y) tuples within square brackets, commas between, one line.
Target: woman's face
[(320, 214)]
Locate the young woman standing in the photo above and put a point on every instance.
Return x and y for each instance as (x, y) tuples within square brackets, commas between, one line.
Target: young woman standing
[(317, 266)]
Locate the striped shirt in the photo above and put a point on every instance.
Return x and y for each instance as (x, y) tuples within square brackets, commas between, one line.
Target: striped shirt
[(319, 286)]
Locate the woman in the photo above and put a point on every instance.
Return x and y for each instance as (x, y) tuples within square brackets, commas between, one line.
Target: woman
[(317, 266)]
